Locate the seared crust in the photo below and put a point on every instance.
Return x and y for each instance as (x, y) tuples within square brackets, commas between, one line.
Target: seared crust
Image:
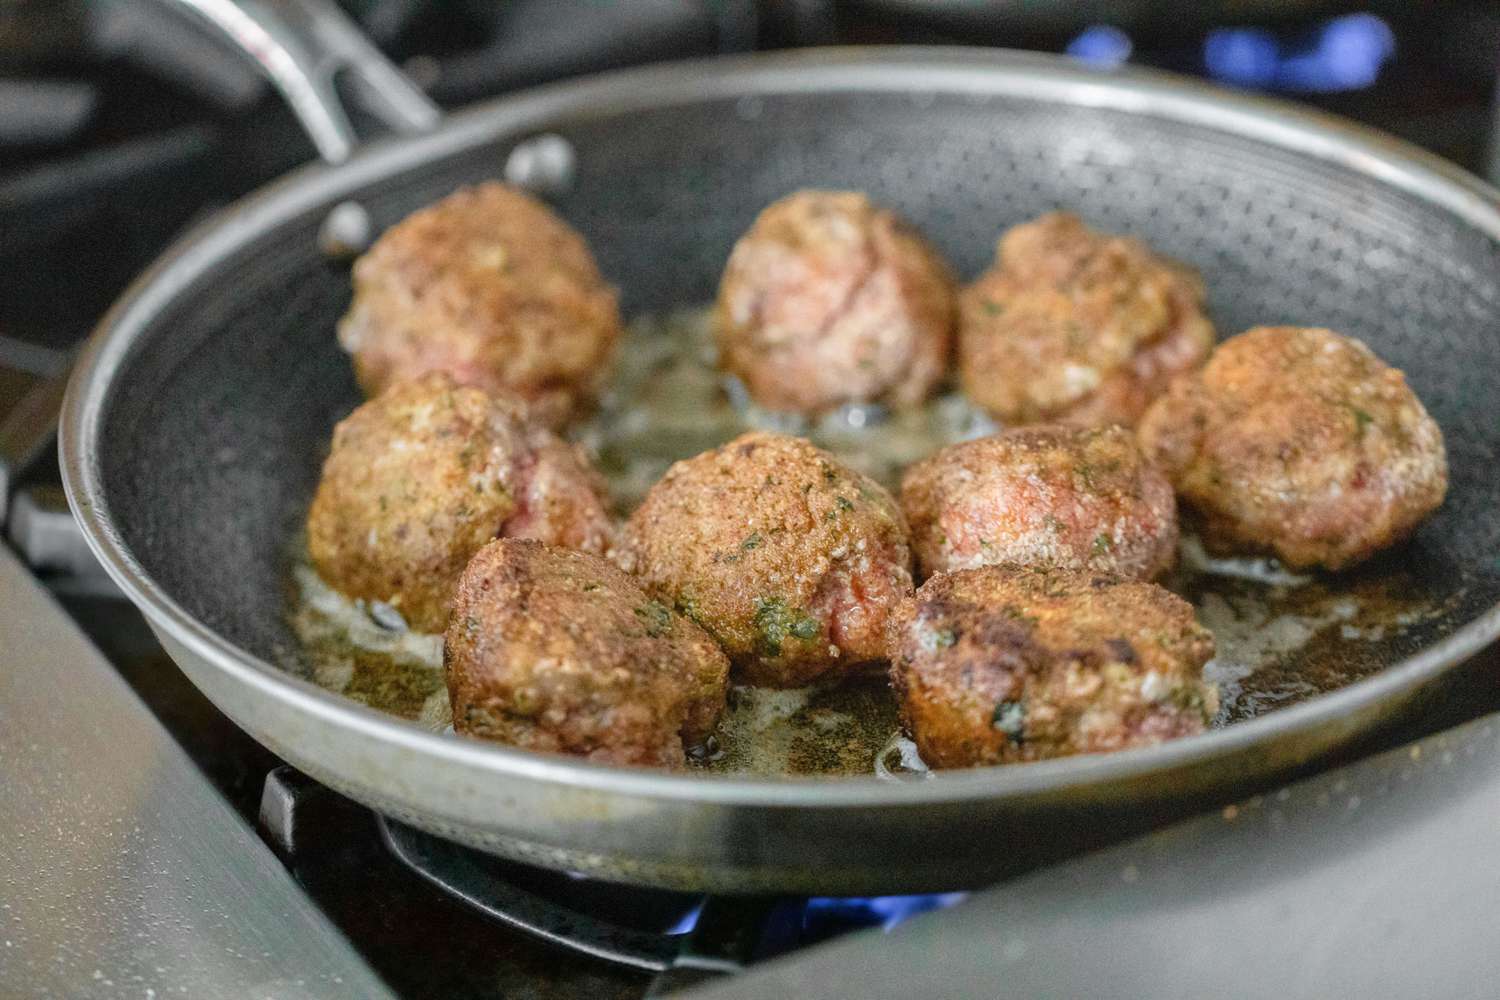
[(492, 287), (829, 299), (1076, 326), (557, 650), (423, 475), (1302, 442), (1000, 664), (1070, 497), (791, 560)]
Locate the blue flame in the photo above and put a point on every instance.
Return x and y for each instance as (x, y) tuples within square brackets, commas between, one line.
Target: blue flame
[(824, 916), (795, 923), (687, 921), (1101, 45), (1245, 56), (1345, 53), (884, 912)]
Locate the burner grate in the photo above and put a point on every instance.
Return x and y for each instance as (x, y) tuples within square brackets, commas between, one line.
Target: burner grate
[(677, 934)]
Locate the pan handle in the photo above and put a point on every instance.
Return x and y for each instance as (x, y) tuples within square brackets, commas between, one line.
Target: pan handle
[(303, 47)]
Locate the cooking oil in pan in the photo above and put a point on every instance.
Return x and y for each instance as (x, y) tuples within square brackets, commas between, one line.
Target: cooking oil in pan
[(832, 730), (1281, 637)]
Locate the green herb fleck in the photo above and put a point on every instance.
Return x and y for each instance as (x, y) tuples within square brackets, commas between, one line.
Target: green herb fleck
[(657, 618), (775, 623), (805, 628), (843, 503), (938, 638), (991, 307), (1102, 544), (687, 605), (1015, 614), (1361, 421), (753, 542)]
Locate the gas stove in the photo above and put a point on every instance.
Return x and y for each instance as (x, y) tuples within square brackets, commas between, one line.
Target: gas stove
[(120, 125)]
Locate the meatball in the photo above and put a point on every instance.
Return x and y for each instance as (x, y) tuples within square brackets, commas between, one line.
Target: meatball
[(1301, 442), (1074, 497), (492, 287), (554, 649), (790, 559), (829, 299), (1076, 326), (1004, 664), (423, 475)]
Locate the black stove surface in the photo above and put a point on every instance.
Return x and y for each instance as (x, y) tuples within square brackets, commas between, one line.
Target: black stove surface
[(119, 125)]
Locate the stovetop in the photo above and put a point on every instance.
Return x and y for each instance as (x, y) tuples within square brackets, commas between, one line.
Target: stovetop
[(119, 125)]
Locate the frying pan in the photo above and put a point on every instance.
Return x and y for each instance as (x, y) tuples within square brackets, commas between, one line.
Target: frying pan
[(195, 423)]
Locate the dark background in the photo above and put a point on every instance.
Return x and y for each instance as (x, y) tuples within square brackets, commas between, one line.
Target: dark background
[(120, 122)]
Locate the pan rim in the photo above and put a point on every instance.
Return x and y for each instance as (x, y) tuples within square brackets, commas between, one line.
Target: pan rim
[(914, 70)]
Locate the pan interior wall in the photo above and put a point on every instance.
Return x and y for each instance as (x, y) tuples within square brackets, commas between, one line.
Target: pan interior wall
[(217, 427)]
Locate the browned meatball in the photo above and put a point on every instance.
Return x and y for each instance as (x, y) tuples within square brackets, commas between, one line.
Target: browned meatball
[(1077, 326), (1004, 664), (492, 287), (790, 559), (829, 299), (423, 475), (1073, 497), (1301, 442), (553, 649)]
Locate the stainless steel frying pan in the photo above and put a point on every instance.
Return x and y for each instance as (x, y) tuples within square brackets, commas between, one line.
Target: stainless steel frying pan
[(195, 424)]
